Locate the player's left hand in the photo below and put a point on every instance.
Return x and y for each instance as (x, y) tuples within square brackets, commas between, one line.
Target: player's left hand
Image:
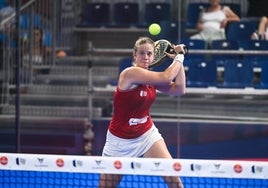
[(177, 49)]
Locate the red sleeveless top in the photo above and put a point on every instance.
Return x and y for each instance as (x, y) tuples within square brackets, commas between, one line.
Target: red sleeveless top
[(131, 116)]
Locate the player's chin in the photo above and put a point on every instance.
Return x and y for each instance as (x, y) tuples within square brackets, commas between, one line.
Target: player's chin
[(146, 65)]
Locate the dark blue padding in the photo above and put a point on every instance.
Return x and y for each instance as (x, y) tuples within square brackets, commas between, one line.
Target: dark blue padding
[(156, 12), (172, 30), (25, 20), (126, 14), (237, 74), (256, 45), (224, 45), (193, 44), (201, 73), (96, 14), (240, 31)]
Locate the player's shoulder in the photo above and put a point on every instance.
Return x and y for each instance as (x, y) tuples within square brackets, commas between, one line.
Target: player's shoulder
[(132, 69), (225, 8)]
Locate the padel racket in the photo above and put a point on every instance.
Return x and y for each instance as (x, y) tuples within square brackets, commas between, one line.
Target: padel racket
[(162, 46)]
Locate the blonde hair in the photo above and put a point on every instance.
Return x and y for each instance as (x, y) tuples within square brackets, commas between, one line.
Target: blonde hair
[(141, 41)]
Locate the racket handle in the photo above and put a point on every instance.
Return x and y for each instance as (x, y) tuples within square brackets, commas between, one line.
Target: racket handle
[(185, 49)]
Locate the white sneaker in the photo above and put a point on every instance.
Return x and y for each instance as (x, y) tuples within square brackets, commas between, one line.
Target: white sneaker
[(254, 36)]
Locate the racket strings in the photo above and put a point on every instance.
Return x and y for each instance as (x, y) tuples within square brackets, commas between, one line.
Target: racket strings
[(160, 49)]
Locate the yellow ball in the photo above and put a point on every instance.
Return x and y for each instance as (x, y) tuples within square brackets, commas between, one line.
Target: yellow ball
[(154, 29)]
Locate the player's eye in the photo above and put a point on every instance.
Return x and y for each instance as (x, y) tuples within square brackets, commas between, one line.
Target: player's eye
[(145, 53)]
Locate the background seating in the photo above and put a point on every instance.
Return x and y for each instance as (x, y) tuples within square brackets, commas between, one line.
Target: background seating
[(156, 12), (170, 30), (201, 73), (25, 21), (237, 74), (126, 14), (194, 44), (224, 45), (96, 14), (240, 31), (256, 45)]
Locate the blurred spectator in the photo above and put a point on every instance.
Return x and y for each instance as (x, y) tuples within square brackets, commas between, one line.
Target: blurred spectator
[(38, 52), (262, 32), (35, 55), (212, 22), (257, 8)]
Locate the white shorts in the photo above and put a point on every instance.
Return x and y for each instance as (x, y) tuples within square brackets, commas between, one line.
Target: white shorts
[(136, 147)]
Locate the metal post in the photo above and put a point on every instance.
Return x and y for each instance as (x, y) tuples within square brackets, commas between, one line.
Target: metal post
[(54, 32), (31, 39), (179, 20), (178, 101), (90, 84), (17, 67)]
